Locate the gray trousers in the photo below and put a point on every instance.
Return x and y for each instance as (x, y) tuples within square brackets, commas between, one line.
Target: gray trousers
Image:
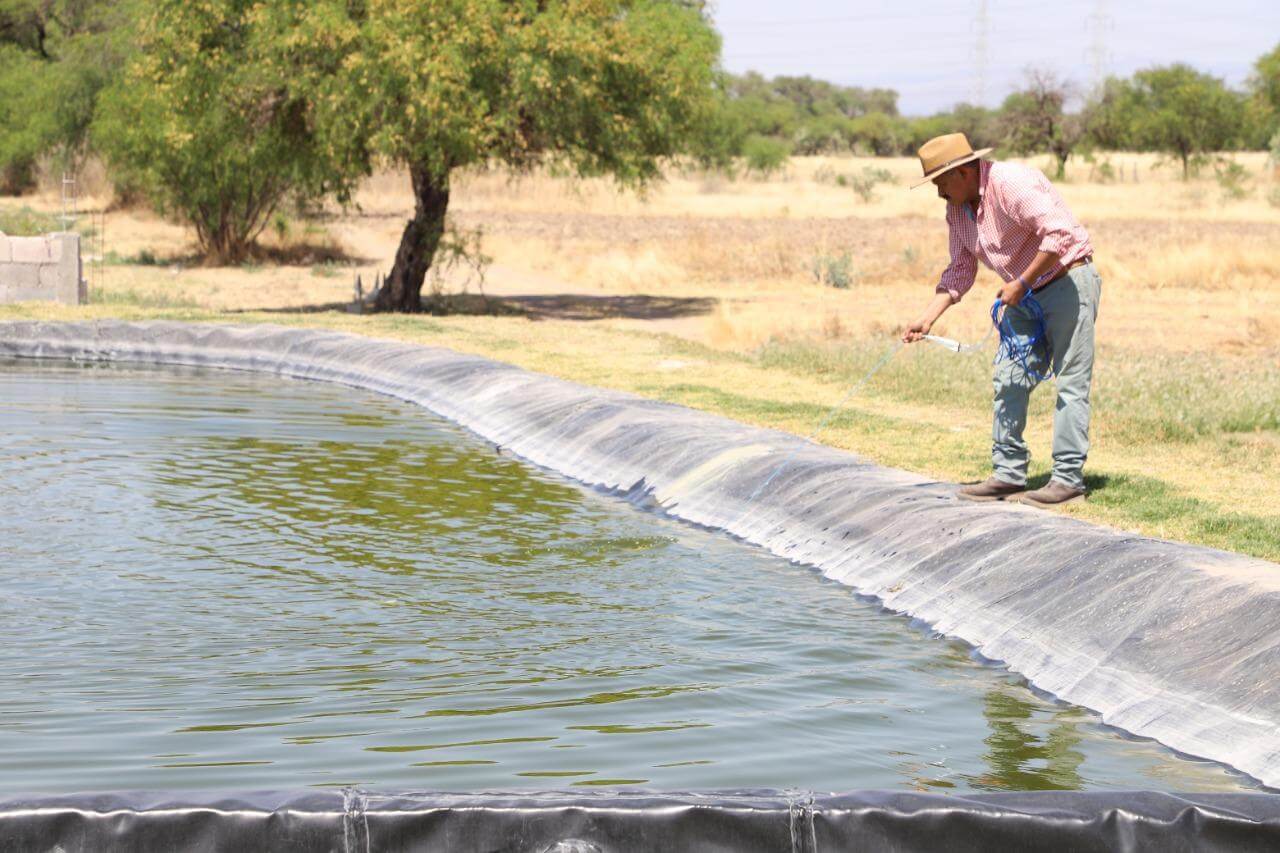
[(1070, 304)]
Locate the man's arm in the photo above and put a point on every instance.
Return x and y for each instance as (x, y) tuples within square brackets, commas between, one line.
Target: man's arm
[(956, 280), (1011, 293), (937, 307)]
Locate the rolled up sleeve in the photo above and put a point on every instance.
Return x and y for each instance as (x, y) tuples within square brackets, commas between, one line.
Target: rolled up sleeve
[(959, 275)]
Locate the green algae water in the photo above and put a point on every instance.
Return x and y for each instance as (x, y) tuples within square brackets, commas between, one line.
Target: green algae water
[(214, 580)]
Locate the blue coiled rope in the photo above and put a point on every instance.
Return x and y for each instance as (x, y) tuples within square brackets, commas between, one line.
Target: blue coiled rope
[(1016, 347)]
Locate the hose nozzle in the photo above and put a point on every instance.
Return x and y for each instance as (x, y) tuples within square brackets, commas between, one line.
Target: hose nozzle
[(945, 343)]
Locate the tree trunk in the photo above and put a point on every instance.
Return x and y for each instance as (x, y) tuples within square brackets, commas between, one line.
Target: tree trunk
[(1062, 156), (402, 291)]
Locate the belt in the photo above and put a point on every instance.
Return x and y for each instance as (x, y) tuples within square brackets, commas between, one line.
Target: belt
[(1078, 262)]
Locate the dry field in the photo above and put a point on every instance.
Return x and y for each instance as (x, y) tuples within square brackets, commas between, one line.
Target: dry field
[(706, 291)]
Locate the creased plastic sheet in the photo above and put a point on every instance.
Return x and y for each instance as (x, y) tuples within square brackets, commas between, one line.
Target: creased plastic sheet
[(739, 821), (1172, 641)]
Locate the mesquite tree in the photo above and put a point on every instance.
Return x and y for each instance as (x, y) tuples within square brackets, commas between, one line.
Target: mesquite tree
[(1034, 119), (1173, 109), (594, 87)]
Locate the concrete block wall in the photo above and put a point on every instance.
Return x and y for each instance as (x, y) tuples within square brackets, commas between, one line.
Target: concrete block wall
[(41, 269)]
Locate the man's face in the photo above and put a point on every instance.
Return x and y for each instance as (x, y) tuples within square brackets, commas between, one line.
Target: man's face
[(953, 186)]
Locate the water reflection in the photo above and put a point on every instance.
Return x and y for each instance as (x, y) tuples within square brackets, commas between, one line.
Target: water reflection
[(1026, 752)]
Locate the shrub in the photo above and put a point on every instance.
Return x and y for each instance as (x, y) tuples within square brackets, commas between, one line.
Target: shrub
[(1233, 179), (764, 154), (27, 222), (205, 121), (865, 184), (833, 270)]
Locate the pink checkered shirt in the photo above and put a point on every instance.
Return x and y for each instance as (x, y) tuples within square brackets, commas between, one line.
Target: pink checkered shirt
[(1019, 214)]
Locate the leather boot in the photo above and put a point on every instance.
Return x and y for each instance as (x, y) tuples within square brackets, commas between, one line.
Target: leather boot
[(991, 489), (1054, 493)]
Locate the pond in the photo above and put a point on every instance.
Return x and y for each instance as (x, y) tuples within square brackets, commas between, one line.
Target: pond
[(216, 580)]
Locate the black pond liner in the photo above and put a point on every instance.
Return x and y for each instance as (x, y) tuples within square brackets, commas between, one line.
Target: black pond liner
[(354, 820)]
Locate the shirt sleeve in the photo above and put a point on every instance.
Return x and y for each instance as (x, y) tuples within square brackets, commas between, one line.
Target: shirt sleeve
[(1035, 205), (959, 275)]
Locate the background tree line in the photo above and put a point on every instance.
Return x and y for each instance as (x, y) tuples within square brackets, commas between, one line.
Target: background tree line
[(1174, 109), (217, 112)]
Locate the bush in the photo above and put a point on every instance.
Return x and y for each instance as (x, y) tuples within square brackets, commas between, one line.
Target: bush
[(206, 123), (1233, 179), (834, 270), (27, 222), (765, 155), (865, 184)]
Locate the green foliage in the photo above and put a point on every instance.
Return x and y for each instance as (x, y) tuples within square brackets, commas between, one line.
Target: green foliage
[(878, 133), (207, 122), (1233, 179), (26, 222), (459, 256), (55, 57), (833, 270), (765, 155), (144, 258), (1264, 84), (1105, 116), (865, 182), (136, 298), (593, 86), (814, 116), (1177, 110), (1102, 170)]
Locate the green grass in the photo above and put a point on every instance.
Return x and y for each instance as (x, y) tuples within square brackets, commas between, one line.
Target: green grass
[(1147, 499), (1138, 396), (143, 299), (27, 222), (144, 258)]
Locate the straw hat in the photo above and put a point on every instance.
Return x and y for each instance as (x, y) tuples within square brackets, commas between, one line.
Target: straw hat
[(943, 153)]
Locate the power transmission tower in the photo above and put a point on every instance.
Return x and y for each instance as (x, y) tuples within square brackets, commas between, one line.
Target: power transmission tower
[(982, 26), (1099, 59)]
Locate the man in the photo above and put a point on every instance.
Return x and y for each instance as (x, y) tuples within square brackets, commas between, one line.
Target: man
[(1012, 219)]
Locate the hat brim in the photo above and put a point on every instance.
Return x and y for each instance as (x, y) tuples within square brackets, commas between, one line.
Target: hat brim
[(980, 153)]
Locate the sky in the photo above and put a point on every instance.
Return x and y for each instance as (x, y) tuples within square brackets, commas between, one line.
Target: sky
[(929, 51)]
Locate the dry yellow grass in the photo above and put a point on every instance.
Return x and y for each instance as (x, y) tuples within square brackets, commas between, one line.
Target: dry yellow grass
[(686, 285)]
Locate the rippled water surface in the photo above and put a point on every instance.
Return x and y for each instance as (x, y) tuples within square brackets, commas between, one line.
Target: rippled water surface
[(220, 580)]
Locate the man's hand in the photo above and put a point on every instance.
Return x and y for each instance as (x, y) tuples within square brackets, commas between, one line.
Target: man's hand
[(1012, 292), (916, 331)]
